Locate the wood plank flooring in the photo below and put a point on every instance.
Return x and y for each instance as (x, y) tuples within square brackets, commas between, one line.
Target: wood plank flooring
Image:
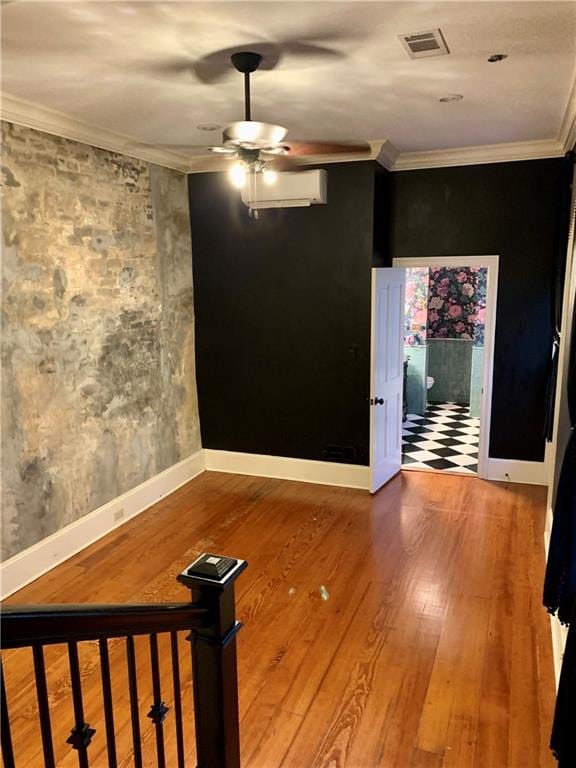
[(431, 651)]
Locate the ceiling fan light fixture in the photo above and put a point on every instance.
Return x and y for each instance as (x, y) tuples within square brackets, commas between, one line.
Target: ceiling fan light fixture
[(252, 134), (237, 174)]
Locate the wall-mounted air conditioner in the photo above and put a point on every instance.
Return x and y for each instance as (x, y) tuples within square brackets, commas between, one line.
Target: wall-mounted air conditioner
[(291, 190)]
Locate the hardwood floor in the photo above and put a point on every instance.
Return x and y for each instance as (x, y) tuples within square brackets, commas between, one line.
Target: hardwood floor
[(432, 649)]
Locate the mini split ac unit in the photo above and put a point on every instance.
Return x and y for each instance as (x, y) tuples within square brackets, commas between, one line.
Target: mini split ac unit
[(291, 190)]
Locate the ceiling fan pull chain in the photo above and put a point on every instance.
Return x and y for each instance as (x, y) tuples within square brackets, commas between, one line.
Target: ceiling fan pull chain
[(253, 212)]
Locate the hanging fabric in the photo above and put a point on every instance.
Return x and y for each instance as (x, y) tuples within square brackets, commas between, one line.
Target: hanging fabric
[(562, 742), (560, 251), (560, 580)]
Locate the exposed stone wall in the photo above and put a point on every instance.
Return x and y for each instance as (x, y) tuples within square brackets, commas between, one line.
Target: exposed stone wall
[(98, 376)]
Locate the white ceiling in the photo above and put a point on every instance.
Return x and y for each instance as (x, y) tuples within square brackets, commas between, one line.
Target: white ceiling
[(127, 67)]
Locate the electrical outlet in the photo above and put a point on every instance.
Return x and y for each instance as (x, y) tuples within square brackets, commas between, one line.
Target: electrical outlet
[(119, 514)]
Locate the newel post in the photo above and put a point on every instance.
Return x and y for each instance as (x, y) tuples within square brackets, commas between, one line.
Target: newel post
[(215, 680)]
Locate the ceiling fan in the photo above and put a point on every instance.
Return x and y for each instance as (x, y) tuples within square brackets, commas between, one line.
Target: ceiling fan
[(259, 148)]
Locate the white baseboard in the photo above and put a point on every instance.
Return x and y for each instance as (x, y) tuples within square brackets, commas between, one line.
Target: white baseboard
[(512, 471), (283, 468), (28, 565)]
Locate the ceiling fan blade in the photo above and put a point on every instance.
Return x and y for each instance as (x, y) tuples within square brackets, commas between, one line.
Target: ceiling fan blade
[(305, 148), (311, 51), (347, 32), (177, 70), (215, 67)]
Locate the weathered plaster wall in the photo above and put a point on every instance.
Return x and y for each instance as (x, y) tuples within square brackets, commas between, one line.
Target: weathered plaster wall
[(98, 376)]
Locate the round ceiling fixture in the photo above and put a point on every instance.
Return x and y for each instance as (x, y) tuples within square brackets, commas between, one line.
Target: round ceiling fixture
[(451, 97), (497, 57), (208, 127)]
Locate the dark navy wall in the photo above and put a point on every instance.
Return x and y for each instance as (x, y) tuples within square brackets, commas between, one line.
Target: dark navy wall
[(513, 210), (283, 303), (283, 319)]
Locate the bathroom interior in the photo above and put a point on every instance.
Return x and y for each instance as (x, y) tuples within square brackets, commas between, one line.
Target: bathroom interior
[(445, 312)]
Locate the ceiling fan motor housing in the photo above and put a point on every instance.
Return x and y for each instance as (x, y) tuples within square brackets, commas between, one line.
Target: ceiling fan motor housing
[(246, 61), (251, 134)]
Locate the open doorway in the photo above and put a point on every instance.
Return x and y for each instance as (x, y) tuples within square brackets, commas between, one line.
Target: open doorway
[(448, 345)]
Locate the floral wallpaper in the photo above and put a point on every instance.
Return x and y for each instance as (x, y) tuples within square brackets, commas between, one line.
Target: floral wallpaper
[(416, 306), (445, 303), (482, 276), (457, 303)]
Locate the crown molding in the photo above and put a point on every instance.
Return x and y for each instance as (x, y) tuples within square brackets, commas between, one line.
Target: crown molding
[(16, 110), (22, 112), (568, 126), (489, 153), (388, 155)]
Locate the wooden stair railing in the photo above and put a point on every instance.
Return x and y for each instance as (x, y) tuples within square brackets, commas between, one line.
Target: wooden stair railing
[(210, 619)]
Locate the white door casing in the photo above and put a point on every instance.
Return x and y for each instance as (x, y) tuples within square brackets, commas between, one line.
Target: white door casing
[(386, 375)]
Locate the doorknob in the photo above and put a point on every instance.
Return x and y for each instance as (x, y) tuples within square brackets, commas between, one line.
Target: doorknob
[(378, 401)]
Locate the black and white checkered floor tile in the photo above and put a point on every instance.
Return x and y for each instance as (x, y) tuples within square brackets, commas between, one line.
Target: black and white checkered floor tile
[(446, 438)]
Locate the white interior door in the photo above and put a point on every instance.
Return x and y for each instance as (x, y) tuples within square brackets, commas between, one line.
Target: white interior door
[(387, 375)]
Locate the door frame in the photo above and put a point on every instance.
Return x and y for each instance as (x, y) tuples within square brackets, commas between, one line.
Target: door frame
[(491, 263)]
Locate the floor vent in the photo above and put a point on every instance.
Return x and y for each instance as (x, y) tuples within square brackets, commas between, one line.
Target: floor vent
[(418, 45)]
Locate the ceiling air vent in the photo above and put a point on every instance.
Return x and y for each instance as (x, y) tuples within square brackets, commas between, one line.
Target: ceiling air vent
[(421, 44)]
